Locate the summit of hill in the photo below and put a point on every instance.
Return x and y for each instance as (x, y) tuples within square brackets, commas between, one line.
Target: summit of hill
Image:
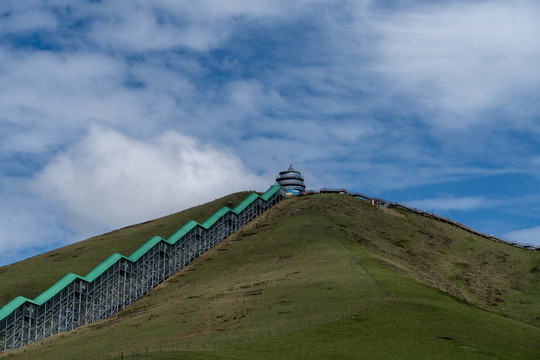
[(319, 276)]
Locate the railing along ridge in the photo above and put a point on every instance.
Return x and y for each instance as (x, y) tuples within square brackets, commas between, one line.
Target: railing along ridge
[(396, 205), (119, 281), (389, 204)]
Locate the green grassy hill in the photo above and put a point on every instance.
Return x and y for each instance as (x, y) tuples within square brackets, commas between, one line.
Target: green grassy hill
[(32, 276), (325, 276)]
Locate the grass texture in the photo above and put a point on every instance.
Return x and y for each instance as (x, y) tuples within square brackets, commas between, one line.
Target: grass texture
[(326, 276)]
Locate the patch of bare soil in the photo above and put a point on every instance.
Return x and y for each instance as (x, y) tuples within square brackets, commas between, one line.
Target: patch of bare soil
[(392, 212)]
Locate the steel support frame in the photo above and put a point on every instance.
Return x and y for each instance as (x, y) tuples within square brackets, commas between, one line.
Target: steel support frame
[(83, 302)]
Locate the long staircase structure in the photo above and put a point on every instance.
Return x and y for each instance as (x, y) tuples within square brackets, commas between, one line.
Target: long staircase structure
[(119, 281)]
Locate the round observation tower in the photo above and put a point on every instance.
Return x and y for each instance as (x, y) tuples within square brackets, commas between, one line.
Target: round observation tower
[(291, 180)]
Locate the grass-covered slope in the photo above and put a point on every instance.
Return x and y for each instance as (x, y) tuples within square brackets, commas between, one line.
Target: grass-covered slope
[(493, 276), (32, 276), (329, 276)]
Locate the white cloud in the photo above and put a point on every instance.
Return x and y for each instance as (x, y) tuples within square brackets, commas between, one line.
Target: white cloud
[(109, 180), (26, 18), (251, 97), (149, 25), (461, 59), (27, 225), (447, 203), (525, 236), (45, 97), (163, 25), (48, 98)]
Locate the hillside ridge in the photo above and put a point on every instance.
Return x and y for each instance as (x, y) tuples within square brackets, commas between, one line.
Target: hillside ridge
[(55, 310), (385, 204), (310, 268)]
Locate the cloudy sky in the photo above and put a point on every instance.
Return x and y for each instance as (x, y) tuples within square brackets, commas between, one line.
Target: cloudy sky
[(113, 113)]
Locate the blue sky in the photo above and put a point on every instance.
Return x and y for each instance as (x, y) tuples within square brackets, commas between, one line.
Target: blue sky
[(113, 113)]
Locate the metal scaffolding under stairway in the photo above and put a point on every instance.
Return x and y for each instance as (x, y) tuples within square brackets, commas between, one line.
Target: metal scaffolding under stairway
[(119, 281)]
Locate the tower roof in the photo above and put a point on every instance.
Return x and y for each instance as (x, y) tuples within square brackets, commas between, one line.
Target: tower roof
[(291, 179)]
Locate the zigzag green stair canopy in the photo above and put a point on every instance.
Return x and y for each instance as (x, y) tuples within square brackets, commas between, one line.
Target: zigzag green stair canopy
[(23, 320)]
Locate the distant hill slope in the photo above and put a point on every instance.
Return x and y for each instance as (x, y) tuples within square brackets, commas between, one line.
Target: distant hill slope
[(32, 276), (329, 275), (496, 277)]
